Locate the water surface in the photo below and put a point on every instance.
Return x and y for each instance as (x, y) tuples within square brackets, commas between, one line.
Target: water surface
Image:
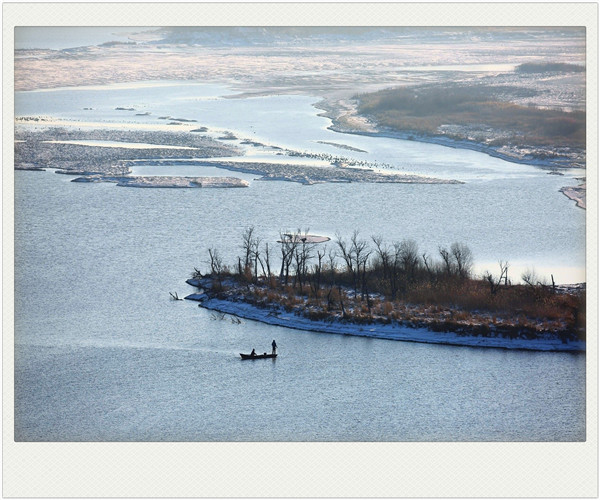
[(102, 353)]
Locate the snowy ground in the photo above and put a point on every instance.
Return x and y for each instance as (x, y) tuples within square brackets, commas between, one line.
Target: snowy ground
[(169, 182), (393, 331)]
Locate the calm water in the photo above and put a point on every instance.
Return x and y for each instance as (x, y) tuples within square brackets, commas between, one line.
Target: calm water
[(505, 211), (102, 353)]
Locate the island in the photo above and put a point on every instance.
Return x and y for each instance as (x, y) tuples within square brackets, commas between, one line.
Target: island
[(507, 115), (391, 291)]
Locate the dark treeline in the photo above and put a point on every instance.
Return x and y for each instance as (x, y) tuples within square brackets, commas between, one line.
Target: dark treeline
[(369, 273), (362, 264), (549, 68)]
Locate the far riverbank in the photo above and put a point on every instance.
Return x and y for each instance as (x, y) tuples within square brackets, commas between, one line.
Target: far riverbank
[(346, 120), (577, 194)]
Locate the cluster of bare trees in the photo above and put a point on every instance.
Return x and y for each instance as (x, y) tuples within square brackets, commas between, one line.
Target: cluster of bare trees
[(253, 256), (297, 252), (362, 265), (362, 278)]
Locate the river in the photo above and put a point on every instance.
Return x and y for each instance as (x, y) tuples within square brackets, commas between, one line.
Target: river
[(103, 354)]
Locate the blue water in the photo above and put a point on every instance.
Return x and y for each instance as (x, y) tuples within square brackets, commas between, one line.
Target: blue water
[(505, 211), (102, 353)]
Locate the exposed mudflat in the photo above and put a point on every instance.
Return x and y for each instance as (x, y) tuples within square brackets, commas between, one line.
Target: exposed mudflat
[(306, 174), (107, 155), (577, 194), (168, 182)]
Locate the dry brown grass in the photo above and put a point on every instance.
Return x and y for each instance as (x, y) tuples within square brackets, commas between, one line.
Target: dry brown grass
[(426, 108), (448, 303), (475, 295)]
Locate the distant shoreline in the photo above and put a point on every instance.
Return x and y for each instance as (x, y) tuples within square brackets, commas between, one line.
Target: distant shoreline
[(575, 193), (451, 143)]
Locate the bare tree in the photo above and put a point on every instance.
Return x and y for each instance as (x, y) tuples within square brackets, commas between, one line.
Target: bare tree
[(332, 267), (396, 269), (463, 259), (260, 260), (256, 256), (267, 261), (302, 255), (409, 258), (495, 283), (315, 281), (289, 242), (364, 288), (531, 278), (346, 253), (446, 259), (427, 265), (364, 259), (360, 251), (248, 245), (358, 248), (298, 268), (216, 262), (383, 255), (504, 265)]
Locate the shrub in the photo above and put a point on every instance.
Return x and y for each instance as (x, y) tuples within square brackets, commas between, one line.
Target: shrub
[(317, 315), (387, 308)]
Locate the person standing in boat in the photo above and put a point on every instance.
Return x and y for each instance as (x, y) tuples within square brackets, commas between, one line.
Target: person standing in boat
[(274, 346), (253, 353)]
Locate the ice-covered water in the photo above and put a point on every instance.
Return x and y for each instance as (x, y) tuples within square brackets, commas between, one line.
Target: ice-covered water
[(102, 353)]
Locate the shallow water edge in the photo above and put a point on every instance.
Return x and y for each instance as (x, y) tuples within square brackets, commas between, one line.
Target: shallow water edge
[(393, 331)]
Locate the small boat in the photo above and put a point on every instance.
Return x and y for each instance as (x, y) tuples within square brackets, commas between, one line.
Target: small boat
[(257, 356)]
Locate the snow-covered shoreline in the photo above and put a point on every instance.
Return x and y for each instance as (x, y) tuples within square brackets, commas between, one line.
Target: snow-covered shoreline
[(392, 331)]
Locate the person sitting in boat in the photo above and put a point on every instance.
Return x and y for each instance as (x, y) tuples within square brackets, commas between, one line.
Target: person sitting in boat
[(274, 346), (253, 353)]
